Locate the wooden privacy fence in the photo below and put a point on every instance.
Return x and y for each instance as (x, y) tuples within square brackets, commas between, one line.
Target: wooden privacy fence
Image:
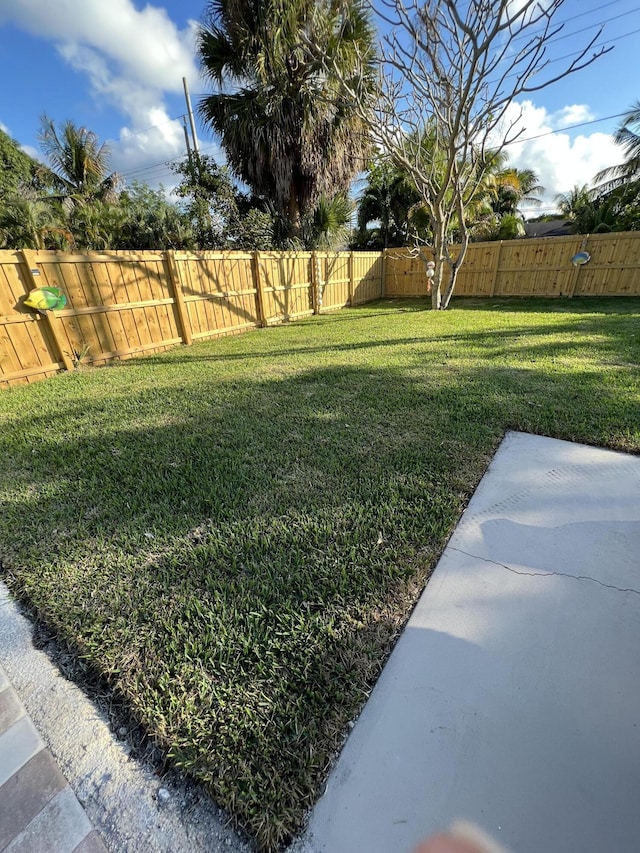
[(121, 304), (531, 267)]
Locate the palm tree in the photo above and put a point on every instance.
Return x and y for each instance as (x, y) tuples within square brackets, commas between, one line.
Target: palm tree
[(590, 213), (515, 186), (390, 200), (571, 204), (30, 223), (627, 136), (288, 130), (78, 164), (629, 139), (616, 209), (328, 226), (393, 201)]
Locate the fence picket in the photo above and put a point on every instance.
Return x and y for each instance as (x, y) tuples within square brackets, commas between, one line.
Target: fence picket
[(52, 321), (182, 315), (259, 286)]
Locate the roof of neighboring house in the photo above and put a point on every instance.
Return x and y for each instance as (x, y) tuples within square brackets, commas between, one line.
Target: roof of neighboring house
[(554, 228)]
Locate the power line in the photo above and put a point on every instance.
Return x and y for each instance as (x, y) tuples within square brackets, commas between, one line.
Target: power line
[(142, 169), (465, 8), (592, 26), (567, 127), (612, 41), (163, 167), (597, 44), (156, 176), (575, 17)]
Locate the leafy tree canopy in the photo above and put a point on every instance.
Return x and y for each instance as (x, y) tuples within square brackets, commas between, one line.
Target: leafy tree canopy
[(17, 169), (221, 215), (288, 130)]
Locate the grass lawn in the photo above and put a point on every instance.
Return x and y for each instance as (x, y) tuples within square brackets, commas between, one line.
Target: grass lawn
[(234, 533)]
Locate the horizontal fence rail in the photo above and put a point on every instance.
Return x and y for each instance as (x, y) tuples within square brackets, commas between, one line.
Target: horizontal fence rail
[(122, 304)]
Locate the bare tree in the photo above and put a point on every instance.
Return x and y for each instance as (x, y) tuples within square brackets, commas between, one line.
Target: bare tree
[(449, 73)]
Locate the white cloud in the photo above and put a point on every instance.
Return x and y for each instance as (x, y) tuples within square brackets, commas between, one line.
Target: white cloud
[(559, 161), (145, 45), (574, 114), (152, 137), (532, 11), (132, 58), (142, 155)]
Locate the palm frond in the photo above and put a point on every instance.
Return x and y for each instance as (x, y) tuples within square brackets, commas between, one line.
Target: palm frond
[(627, 136), (78, 163), (284, 122)]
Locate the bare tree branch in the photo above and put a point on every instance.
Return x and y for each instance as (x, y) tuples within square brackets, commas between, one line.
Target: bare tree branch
[(450, 74)]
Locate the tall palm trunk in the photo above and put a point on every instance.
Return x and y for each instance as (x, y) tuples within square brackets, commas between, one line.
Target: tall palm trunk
[(293, 214)]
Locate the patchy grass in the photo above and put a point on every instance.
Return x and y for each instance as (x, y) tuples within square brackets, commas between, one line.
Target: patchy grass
[(233, 534)]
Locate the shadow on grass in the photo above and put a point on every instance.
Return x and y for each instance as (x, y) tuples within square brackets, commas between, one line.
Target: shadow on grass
[(530, 305), (517, 304), (236, 554), (615, 333), (611, 324)]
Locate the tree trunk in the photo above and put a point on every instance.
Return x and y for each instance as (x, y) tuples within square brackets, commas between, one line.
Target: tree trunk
[(440, 261), (453, 276), (293, 214), (443, 259), (436, 286), (455, 266)]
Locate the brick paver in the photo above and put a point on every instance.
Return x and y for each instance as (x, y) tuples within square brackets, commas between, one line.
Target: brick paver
[(18, 744), (39, 812), (26, 793)]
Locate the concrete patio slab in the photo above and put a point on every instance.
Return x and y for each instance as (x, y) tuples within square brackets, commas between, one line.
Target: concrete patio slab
[(512, 698)]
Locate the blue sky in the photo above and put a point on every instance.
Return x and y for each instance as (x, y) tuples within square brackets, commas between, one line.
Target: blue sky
[(116, 66)]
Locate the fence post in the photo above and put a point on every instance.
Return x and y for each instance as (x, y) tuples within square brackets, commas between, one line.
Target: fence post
[(315, 282), (52, 321), (351, 285), (259, 286), (184, 326), (496, 270), (383, 283)]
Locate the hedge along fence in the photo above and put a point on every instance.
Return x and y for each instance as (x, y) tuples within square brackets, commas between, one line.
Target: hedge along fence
[(530, 267), (121, 304)]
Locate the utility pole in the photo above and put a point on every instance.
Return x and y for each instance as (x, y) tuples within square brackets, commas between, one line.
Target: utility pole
[(187, 142), (194, 162), (196, 150)]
